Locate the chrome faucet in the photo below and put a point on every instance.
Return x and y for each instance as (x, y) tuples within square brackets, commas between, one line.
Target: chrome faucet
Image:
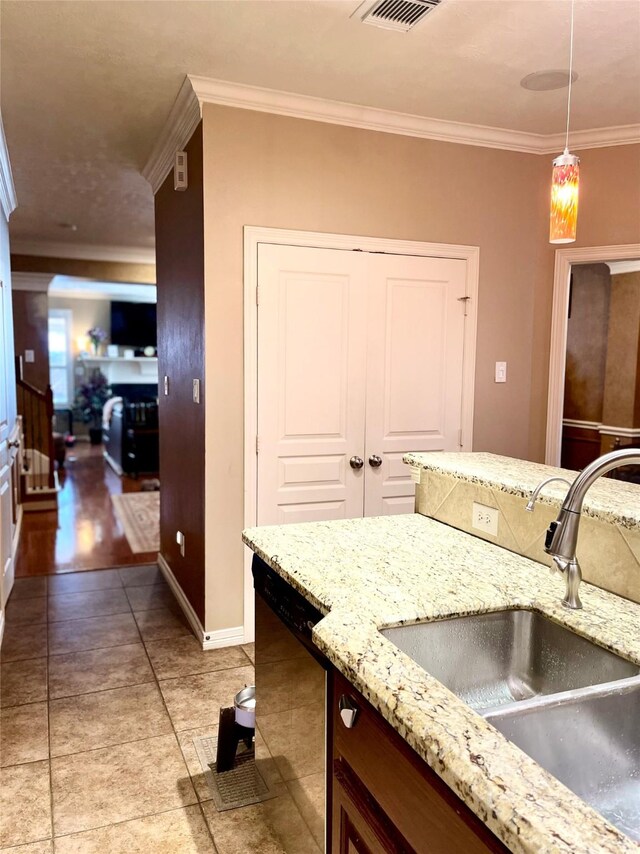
[(531, 503), (562, 536)]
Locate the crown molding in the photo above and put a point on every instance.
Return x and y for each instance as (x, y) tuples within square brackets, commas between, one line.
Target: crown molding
[(31, 281), (84, 251), (197, 91), (223, 92), (178, 128), (8, 199)]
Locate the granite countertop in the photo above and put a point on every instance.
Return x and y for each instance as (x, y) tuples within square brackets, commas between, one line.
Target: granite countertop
[(365, 574), (609, 500)]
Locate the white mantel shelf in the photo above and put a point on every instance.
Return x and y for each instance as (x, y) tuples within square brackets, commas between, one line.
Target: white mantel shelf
[(117, 369)]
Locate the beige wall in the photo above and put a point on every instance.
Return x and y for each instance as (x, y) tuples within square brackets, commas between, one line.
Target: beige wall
[(275, 171)]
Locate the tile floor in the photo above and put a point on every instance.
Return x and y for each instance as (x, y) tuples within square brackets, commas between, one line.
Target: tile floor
[(102, 689)]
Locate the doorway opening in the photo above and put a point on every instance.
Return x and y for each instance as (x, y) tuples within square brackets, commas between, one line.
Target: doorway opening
[(86, 361), (594, 380), (254, 238)]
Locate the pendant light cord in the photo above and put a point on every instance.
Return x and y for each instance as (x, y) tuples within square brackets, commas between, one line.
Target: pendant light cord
[(566, 141)]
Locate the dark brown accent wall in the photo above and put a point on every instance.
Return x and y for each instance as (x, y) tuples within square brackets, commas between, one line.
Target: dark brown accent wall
[(30, 330), (587, 332), (180, 276)]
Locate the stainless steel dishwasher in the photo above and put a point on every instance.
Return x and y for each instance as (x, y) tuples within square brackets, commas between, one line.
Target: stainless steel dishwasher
[(291, 684)]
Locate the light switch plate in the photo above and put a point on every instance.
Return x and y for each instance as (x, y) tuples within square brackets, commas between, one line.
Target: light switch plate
[(29, 356), (501, 372), (485, 519)]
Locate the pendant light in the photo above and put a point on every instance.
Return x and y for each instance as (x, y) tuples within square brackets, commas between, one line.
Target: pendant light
[(565, 177)]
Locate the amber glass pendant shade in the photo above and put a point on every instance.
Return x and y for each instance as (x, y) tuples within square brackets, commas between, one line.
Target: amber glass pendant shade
[(564, 198)]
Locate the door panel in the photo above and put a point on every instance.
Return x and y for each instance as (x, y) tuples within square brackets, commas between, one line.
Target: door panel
[(8, 421), (414, 370), (311, 358)]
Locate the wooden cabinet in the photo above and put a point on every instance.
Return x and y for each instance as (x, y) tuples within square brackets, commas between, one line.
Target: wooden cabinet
[(385, 798)]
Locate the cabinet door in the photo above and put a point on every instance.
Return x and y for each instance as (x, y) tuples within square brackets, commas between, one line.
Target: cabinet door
[(359, 825)]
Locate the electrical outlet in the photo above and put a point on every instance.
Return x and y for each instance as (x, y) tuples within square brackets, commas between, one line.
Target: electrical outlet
[(485, 519)]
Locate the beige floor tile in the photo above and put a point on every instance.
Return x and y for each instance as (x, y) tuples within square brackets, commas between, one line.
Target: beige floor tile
[(44, 847), (185, 657), (242, 830), (26, 612), (181, 831), (24, 734), (98, 670), (250, 651), (106, 718), (82, 582), (141, 576), (22, 642), (29, 588), (25, 804), (162, 624), (23, 682), (95, 603), (185, 739), (92, 633), (194, 701), (119, 783), (150, 597)]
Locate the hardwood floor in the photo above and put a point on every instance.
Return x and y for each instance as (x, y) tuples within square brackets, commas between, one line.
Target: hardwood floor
[(84, 533)]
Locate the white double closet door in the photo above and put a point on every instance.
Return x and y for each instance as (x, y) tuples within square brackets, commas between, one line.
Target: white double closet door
[(360, 359)]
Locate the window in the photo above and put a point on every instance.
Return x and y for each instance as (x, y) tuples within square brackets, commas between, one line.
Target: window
[(60, 364)]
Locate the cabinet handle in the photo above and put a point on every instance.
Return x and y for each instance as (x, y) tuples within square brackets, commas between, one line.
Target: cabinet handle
[(375, 461), (356, 462), (348, 711)]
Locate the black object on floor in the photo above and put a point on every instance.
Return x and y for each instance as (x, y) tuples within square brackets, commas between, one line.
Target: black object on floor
[(230, 734)]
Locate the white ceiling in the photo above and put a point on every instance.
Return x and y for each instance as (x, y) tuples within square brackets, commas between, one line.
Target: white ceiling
[(87, 85)]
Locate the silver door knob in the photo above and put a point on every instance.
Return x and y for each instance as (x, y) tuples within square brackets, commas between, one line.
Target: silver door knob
[(348, 711), (375, 461), (356, 462)]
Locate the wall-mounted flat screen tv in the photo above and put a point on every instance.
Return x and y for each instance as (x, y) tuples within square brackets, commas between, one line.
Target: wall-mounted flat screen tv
[(133, 324)]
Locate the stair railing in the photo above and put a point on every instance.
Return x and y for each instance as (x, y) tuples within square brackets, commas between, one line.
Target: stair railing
[(36, 409)]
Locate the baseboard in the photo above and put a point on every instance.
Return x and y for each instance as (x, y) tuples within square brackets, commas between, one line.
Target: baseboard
[(209, 640), (114, 465)]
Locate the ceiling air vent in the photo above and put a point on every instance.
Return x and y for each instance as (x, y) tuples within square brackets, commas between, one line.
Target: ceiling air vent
[(400, 15)]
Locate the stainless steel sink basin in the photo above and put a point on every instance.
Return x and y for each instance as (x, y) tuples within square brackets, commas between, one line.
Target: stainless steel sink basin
[(590, 743), (490, 660)]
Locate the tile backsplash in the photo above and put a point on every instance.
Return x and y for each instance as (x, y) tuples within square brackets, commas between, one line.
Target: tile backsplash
[(609, 554)]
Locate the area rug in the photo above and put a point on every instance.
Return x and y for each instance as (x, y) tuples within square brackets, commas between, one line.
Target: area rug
[(139, 515)]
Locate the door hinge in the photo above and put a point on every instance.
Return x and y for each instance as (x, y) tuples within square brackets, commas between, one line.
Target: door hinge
[(460, 443), (257, 295), (464, 301), (257, 444)]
